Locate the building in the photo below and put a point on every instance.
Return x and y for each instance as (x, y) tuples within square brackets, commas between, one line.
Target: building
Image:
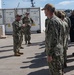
[(0, 4)]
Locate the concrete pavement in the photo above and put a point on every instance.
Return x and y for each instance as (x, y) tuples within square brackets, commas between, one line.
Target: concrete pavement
[(33, 62)]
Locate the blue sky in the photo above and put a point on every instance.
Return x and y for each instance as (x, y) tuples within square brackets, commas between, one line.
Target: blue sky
[(59, 4)]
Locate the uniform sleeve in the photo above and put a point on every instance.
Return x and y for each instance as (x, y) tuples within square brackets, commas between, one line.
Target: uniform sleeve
[(31, 20), (45, 22), (69, 25), (16, 28), (51, 38), (23, 20), (69, 22)]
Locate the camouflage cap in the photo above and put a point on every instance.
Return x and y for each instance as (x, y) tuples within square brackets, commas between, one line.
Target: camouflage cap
[(27, 13), (49, 7), (58, 14), (62, 15), (18, 15)]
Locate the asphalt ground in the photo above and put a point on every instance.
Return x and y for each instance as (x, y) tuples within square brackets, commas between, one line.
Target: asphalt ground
[(33, 61)]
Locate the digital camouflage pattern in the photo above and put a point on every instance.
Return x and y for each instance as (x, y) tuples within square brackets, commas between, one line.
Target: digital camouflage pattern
[(67, 20), (21, 36), (16, 39), (27, 34), (53, 45), (66, 33)]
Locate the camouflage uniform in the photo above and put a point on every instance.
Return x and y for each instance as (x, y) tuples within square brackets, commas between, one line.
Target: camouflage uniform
[(21, 36), (53, 45), (68, 22), (62, 34), (66, 31), (16, 39), (66, 25), (27, 27), (46, 22)]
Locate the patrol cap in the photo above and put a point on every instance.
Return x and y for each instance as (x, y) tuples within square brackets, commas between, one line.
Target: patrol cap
[(62, 15), (27, 13), (49, 7), (18, 15), (58, 14)]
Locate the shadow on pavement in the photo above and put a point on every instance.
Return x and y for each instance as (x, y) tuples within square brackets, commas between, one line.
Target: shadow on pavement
[(43, 43), (71, 44), (6, 46), (37, 43), (38, 55), (3, 57), (39, 61), (42, 47), (40, 72), (5, 50), (69, 56), (70, 60), (70, 68)]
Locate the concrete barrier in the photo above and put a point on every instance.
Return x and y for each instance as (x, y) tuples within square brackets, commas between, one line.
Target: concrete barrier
[(2, 31)]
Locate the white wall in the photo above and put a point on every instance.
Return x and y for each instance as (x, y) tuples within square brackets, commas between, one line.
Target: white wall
[(0, 4), (43, 17)]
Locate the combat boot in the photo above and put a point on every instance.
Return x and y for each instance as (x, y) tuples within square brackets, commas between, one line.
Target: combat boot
[(21, 48), (20, 53), (16, 54), (29, 42), (73, 54), (25, 42), (65, 65)]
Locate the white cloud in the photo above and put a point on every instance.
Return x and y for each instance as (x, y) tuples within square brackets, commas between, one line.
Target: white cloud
[(65, 2)]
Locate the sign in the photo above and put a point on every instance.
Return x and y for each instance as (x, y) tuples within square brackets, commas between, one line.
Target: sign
[(9, 17), (34, 14)]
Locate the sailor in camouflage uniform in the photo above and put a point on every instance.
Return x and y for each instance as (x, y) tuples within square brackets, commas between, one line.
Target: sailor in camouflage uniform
[(65, 25), (67, 19), (16, 34), (27, 26), (53, 46), (21, 36)]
